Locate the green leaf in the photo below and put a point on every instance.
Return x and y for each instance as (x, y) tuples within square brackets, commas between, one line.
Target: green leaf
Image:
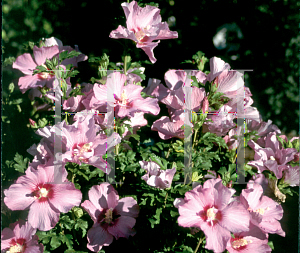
[(8, 61), (270, 243), (11, 87), (21, 164), (83, 225), (139, 73), (68, 240), (55, 242)]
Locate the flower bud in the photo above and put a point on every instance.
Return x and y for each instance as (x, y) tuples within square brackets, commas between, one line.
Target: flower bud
[(205, 105)]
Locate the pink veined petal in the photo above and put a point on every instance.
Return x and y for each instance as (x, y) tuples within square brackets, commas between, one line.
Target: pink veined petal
[(217, 65), (165, 33), (26, 231), (103, 196), (122, 227), (42, 216), (43, 53), (98, 237), (148, 15), (65, 196), (272, 142), (122, 33), (147, 105), (127, 207), (175, 79), (235, 218), (216, 237), (252, 194), (25, 64), (148, 48), (133, 92), (91, 209), (18, 197), (29, 82), (273, 211), (272, 227)]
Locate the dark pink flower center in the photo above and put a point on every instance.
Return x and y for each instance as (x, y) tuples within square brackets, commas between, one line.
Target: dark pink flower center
[(45, 75), (107, 217), (211, 215), (17, 246), (123, 100), (83, 151), (142, 35), (42, 192)]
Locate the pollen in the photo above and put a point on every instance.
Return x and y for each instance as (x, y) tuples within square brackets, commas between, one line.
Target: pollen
[(108, 216), (124, 99), (239, 243), (272, 158), (211, 215), (43, 192), (16, 248)]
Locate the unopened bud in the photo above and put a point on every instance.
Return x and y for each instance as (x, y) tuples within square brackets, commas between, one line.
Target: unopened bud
[(32, 122)]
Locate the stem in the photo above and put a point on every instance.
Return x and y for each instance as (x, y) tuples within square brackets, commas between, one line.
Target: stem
[(198, 245), (195, 135), (167, 156), (125, 64), (166, 200)]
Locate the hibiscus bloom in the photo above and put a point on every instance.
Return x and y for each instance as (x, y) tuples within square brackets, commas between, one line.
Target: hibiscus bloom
[(212, 209), (143, 26), (83, 145), (27, 65), (112, 217), (44, 198), (271, 157), (20, 237), (126, 99), (264, 211), (252, 241), (156, 177)]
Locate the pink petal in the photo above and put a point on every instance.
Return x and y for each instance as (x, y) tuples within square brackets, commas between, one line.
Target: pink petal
[(148, 48), (42, 216), (216, 237), (235, 218), (25, 64), (122, 227), (122, 33), (43, 53), (98, 237), (65, 197), (165, 33), (127, 207), (29, 82)]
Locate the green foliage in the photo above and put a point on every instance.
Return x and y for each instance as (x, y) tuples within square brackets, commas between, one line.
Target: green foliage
[(20, 163)]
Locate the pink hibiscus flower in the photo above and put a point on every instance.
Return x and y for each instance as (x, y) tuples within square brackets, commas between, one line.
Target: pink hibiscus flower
[(212, 209), (54, 41), (83, 145), (27, 65), (126, 99), (20, 237), (271, 157), (252, 241), (112, 217), (264, 211), (143, 26), (44, 198), (156, 177)]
